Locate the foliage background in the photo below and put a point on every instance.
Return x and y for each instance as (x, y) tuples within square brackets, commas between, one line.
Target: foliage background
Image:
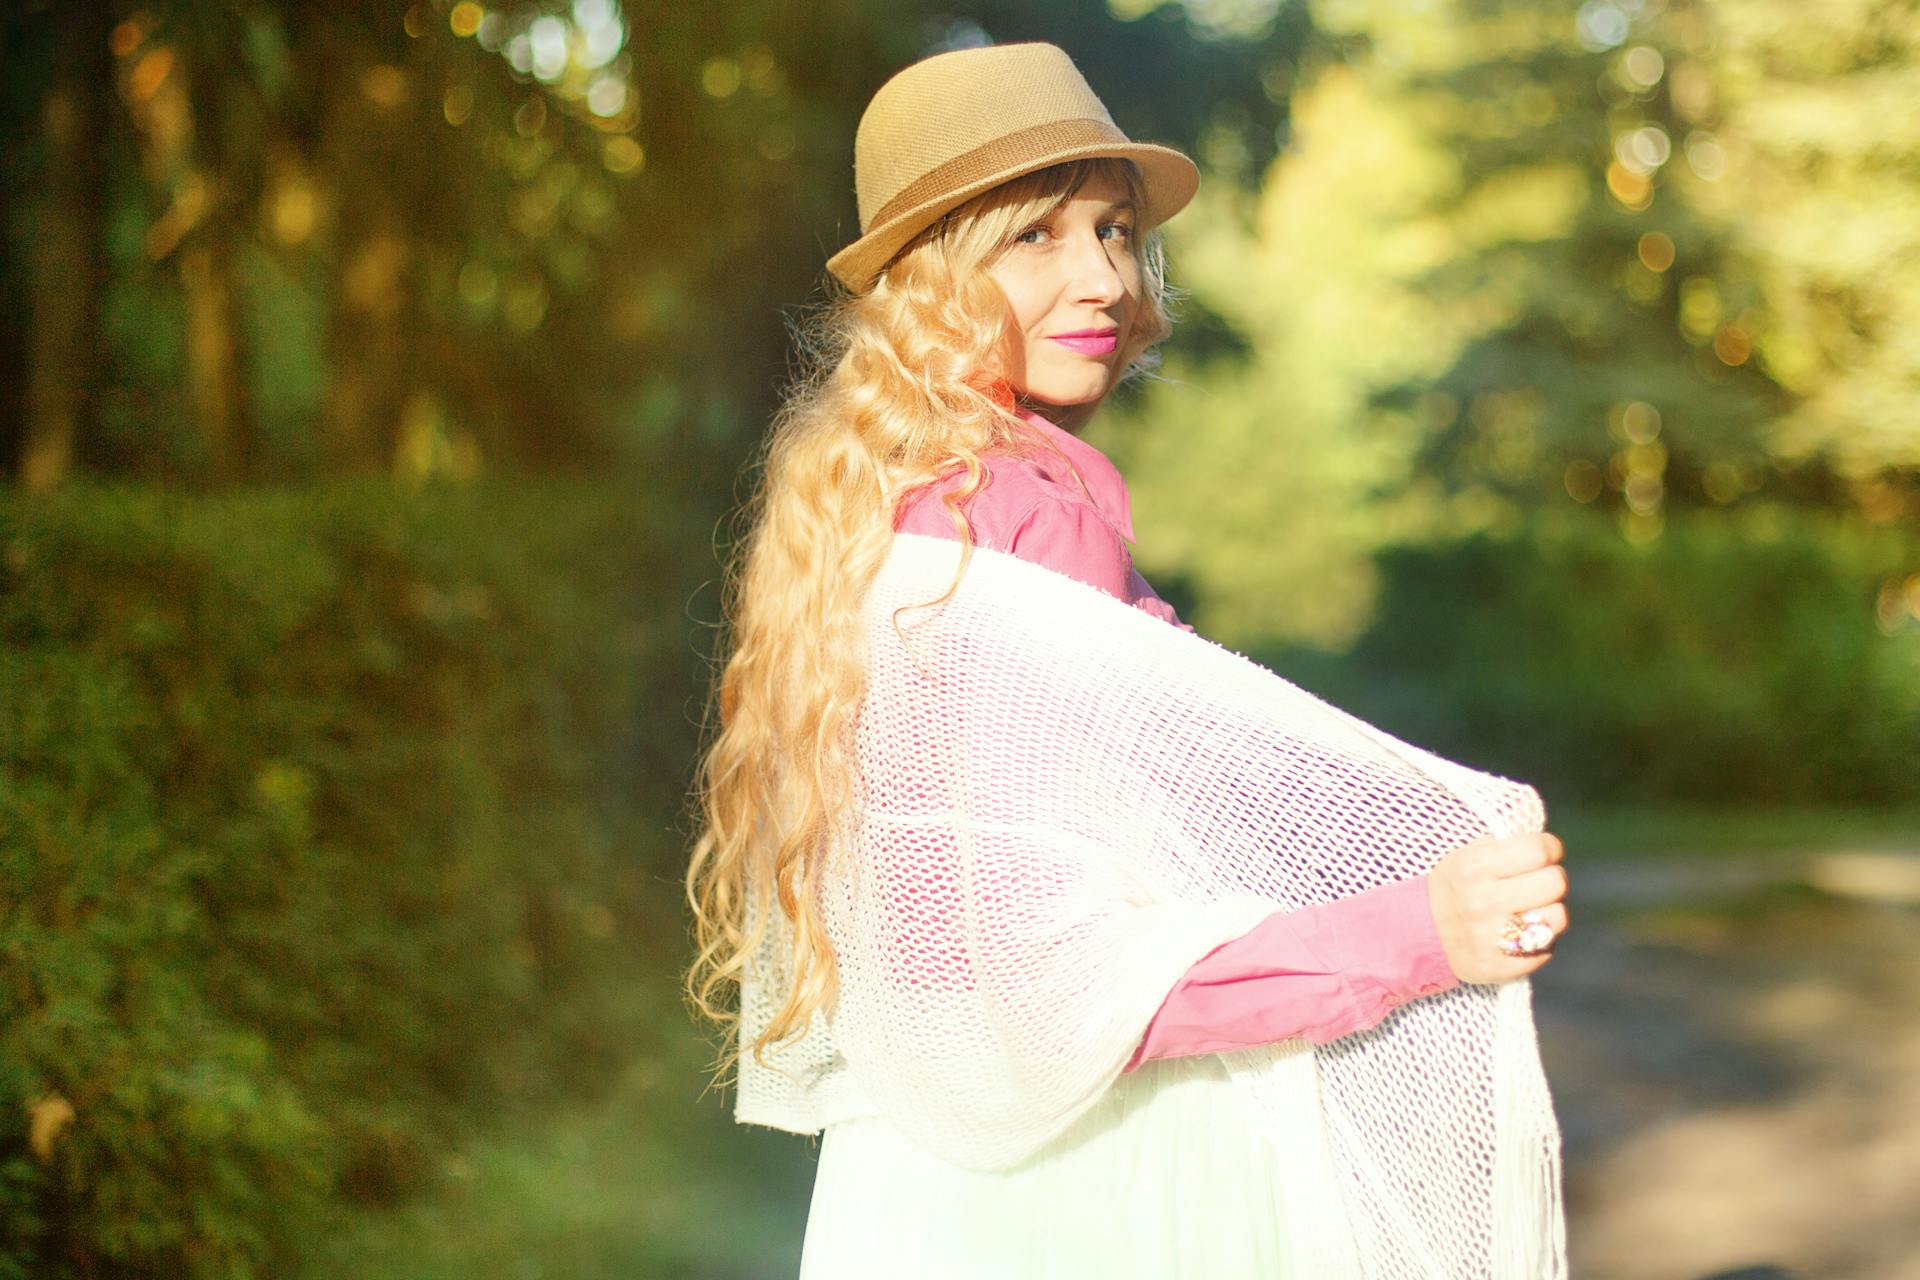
[(376, 379)]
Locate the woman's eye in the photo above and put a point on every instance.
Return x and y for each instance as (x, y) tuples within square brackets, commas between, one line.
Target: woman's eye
[(1120, 229), (1032, 235)]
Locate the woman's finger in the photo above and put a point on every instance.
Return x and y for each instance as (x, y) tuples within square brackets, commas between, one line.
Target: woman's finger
[(1533, 889), (1517, 855)]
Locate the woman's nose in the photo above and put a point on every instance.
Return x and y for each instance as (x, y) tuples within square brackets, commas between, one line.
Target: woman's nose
[(1095, 277)]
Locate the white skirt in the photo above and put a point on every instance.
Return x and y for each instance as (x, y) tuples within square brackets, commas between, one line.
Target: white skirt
[(1164, 1178)]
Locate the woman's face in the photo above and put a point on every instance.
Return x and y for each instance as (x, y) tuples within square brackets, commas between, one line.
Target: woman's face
[(1073, 283)]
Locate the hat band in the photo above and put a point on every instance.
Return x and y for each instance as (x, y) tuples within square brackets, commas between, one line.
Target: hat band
[(992, 159)]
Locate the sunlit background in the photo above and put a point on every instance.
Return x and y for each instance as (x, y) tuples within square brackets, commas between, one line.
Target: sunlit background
[(375, 383)]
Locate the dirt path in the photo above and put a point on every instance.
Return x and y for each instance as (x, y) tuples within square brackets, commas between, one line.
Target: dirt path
[(1735, 1058)]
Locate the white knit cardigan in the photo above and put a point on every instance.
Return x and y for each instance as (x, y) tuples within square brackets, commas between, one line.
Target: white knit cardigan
[(1064, 804)]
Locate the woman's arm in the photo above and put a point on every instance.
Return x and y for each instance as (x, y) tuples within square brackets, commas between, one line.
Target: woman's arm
[(1321, 972), (1342, 966)]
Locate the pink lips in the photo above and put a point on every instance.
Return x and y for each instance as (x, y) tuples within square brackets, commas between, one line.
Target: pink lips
[(1089, 342)]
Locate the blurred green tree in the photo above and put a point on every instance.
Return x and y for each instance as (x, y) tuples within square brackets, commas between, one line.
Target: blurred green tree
[(1595, 375), (1512, 260), (1817, 149), (65, 269)]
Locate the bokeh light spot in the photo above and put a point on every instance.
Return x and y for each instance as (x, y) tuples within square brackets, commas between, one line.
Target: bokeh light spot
[(1644, 149), (149, 73), (530, 117), (1644, 491), (1656, 250), (294, 209), (608, 96), (525, 303), (1705, 156), (126, 37), (763, 73), (1646, 457), (1641, 527), (457, 104), (777, 142), (1633, 190), (599, 44), (1643, 66), (385, 86), (1582, 479), (623, 155), (1644, 286), (1699, 307), (465, 18), (533, 210), (1721, 482), (1890, 608), (720, 77), (1600, 24), (548, 38), (1692, 91), (1640, 422), (478, 285)]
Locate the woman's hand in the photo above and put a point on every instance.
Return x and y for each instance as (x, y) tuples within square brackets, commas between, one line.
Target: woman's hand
[(1476, 887)]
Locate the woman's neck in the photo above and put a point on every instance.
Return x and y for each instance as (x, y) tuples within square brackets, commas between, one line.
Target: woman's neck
[(1068, 417)]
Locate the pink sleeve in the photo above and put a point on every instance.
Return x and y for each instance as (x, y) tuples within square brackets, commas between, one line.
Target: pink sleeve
[(1072, 538), (1321, 972)]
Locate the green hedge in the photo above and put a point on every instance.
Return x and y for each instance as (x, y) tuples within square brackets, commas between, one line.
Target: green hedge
[(1737, 659), (324, 818)]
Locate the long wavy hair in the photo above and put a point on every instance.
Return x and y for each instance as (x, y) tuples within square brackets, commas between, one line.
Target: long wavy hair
[(899, 387)]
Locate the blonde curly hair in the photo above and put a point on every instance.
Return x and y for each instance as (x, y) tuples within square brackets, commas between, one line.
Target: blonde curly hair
[(900, 388)]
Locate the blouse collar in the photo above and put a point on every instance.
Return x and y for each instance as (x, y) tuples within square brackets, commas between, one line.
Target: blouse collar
[(1086, 467)]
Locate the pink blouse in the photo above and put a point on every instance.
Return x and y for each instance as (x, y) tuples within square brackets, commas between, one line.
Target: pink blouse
[(1320, 972)]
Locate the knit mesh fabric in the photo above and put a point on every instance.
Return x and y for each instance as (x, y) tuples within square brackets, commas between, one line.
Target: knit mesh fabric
[(1064, 803)]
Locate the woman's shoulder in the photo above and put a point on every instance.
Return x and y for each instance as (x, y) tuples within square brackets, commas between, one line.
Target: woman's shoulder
[(1012, 486), (1025, 507)]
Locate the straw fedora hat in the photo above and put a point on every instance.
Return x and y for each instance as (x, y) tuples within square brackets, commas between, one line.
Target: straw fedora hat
[(954, 125)]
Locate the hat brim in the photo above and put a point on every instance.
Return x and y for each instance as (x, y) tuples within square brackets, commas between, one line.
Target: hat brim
[(1169, 176)]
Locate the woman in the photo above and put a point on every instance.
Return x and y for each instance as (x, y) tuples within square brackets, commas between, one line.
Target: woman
[(1006, 278)]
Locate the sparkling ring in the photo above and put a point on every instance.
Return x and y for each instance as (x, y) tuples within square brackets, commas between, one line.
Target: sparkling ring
[(1526, 933)]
